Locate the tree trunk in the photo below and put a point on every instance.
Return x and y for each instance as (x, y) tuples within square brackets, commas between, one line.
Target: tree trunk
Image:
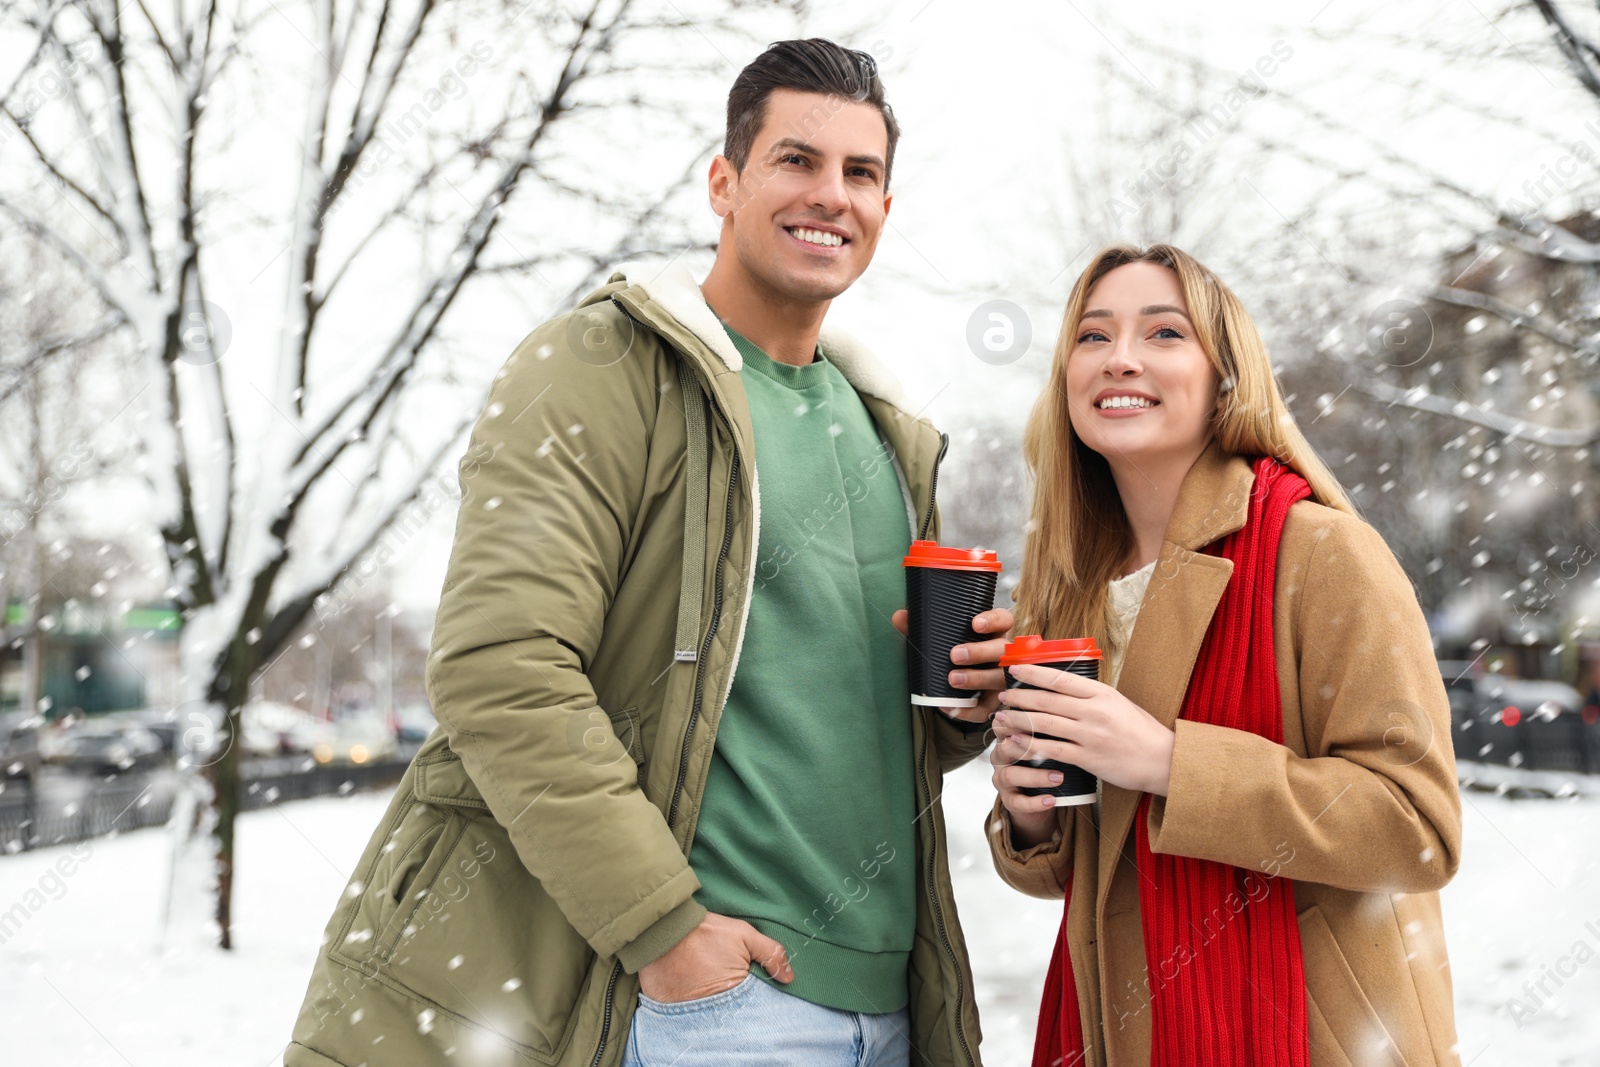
[(229, 688)]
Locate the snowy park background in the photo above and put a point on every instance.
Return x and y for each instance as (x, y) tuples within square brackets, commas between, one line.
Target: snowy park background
[(86, 982), (257, 274)]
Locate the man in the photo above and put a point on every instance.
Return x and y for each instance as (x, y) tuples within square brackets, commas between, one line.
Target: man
[(680, 808)]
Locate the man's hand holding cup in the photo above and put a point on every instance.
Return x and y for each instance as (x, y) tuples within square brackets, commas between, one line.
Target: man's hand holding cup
[(975, 663)]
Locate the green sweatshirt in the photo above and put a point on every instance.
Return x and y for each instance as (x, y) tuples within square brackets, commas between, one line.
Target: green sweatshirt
[(806, 827)]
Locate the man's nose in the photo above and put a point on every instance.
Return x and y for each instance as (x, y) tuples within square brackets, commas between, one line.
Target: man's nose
[(829, 194)]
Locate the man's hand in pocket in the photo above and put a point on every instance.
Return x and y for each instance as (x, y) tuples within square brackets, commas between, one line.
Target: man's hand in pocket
[(715, 957)]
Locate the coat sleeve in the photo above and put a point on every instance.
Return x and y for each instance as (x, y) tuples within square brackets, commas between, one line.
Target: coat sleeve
[(1040, 870), (1375, 805), (551, 486)]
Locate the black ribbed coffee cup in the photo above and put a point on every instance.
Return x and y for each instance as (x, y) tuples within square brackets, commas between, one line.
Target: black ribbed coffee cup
[(1077, 785), (945, 589)]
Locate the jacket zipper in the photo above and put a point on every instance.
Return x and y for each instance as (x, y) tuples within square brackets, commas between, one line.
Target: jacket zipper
[(605, 1022), (933, 896), (699, 691), (927, 798), (933, 486), (705, 645)]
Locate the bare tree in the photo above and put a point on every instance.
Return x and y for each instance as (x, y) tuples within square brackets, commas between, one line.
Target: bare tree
[(48, 442), (427, 165)]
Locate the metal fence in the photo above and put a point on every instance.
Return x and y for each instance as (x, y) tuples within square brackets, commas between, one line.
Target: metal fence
[(35, 815), (31, 820)]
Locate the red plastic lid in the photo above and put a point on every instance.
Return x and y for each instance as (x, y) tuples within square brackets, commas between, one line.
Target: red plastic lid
[(1035, 649), (931, 554)]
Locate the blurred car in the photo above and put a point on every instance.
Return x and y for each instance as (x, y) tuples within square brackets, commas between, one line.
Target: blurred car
[(19, 745), (354, 740), (1534, 698), (273, 729), (416, 722), (106, 746), (1488, 696), (163, 722)]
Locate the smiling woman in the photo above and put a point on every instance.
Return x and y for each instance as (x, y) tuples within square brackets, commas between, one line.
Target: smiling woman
[(1257, 880)]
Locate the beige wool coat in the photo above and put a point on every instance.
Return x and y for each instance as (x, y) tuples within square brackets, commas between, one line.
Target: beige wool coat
[(1359, 806)]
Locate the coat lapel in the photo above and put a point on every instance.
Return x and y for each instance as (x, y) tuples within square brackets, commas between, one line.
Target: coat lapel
[(1174, 616)]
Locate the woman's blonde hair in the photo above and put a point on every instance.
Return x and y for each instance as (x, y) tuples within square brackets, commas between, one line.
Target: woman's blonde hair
[(1078, 537)]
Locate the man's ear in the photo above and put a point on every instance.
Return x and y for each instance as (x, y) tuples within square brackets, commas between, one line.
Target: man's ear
[(722, 185), (888, 198)]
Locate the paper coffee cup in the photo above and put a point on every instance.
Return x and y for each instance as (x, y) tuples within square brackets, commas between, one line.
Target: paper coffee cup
[(945, 588), (1080, 656)]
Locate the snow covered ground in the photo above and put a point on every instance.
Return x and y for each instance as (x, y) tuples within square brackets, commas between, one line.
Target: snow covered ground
[(82, 981)]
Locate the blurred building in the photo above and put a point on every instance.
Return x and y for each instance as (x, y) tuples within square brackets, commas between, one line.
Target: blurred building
[(92, 658)]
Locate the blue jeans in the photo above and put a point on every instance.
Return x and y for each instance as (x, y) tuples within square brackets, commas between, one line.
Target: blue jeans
[(755, 1023)]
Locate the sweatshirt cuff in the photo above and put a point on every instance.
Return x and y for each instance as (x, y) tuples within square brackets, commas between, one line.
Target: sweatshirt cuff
[(661, 935)]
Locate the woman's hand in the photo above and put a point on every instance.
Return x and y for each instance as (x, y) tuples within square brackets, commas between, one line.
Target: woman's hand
[(1033, 818), (1101, 731), (989, 681)]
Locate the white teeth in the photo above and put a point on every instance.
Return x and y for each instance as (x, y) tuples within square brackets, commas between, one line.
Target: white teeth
[(818, 237), (1125, 402)]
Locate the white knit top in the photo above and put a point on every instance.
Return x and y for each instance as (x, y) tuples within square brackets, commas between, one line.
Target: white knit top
[(1127, 593)]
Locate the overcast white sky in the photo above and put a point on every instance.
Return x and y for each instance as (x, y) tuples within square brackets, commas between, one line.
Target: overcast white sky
[(992, 107), (999, 106)]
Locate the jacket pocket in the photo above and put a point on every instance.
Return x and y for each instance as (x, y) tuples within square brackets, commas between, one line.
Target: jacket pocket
[(625, 724), (412, 877), (385, 893), (465, 928), (1344, 1027)]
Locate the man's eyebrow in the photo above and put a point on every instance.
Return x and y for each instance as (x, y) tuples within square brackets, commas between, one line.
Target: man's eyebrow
[(876, 161), (797, 145)]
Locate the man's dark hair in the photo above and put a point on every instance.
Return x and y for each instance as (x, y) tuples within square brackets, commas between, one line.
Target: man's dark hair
[(814, 65)]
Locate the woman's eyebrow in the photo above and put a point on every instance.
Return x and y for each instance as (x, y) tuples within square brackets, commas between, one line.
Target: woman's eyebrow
[(1153, 309), (1158, 309)]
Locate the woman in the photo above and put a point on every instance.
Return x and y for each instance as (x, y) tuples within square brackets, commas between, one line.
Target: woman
[(1257, 883)]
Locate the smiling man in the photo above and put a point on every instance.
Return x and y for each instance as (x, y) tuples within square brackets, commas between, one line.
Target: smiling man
[(680, 808)]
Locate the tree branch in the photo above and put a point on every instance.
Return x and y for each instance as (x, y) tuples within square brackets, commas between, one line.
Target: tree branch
[(1519, 318), (1512, 428), (1579, 51)]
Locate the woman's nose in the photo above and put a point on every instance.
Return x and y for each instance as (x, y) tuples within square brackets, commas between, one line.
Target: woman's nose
[(1122, 361)]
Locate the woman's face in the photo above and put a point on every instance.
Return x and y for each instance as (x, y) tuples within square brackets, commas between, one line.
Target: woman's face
[(1139, 386)]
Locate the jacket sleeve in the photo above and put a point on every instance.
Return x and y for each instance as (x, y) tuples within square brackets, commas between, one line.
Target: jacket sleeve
[(1040, 870), (551, 486), (955, 743), (1375, 806)]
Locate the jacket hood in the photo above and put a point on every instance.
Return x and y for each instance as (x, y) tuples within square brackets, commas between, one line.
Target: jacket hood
[(677, 292)]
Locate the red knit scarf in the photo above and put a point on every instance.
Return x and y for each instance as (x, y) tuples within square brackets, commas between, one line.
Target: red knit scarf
[(1226, 984)]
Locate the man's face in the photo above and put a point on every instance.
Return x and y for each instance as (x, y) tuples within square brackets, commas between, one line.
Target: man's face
[(806, 213)]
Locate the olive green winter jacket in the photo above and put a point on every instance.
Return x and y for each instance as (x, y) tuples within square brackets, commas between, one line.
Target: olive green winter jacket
[(533, 856)]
